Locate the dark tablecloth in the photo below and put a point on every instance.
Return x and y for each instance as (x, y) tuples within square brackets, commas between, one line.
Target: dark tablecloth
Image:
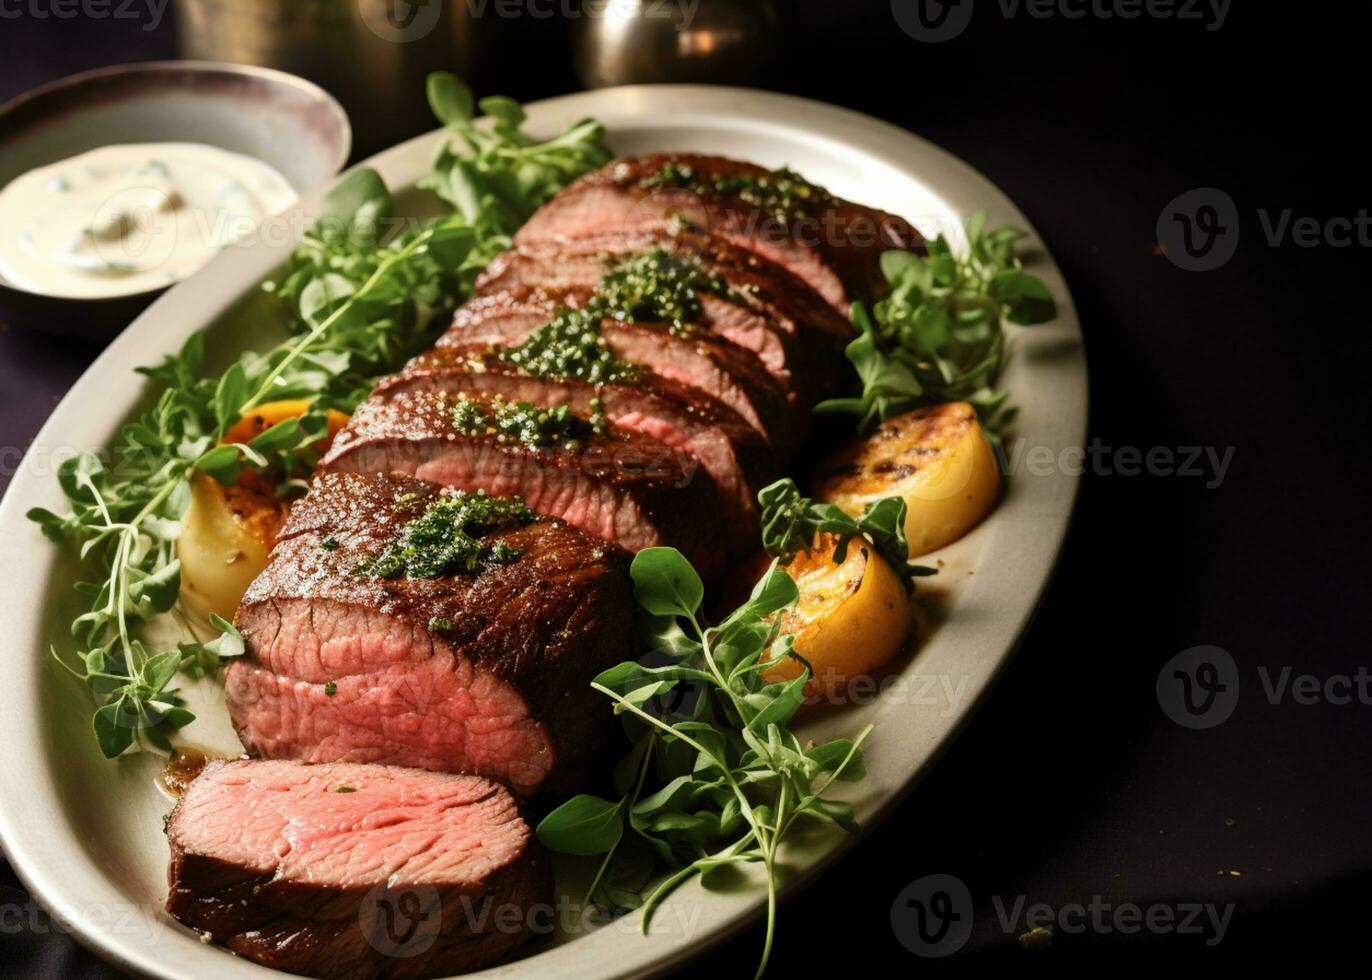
[(1073, 786)]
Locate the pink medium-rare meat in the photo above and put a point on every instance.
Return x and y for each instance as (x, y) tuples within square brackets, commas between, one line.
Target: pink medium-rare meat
[(832, 244), (763, 308), (483, 671), (681, 418), (353, 871), (700, 360), (619, 486)]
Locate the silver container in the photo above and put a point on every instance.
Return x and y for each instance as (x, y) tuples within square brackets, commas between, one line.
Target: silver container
[(372, 55), (623, 42)]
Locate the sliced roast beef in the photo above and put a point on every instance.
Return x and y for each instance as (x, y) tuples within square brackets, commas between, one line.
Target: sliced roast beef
[(481, 671), (832, 244), (765, 308), (354, 871), (620, 486), (698, 359), (732, 452)]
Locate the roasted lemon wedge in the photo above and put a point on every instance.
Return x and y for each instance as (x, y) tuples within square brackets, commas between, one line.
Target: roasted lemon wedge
[(852, 616), (937, 458)]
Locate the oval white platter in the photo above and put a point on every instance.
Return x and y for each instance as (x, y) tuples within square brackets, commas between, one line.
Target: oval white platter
[(85, 833)]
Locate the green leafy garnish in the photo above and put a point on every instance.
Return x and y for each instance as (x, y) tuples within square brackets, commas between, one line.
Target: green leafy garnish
[(714, 777), (791, 523), (361, 293), (939, 336), (496, 176)]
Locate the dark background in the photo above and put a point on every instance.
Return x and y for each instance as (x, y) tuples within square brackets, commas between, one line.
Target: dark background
[(1071, 783)]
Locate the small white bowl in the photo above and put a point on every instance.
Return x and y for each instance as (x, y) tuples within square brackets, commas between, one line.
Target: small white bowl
[(285, 121)]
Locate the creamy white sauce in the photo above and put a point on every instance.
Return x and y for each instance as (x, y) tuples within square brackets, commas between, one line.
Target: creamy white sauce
[(128, 218)]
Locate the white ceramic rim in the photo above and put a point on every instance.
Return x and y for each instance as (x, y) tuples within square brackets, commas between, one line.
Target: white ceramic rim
[(1018, 546)]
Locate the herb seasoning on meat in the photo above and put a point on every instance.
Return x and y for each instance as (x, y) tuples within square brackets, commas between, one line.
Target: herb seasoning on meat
[(524, 423), (783, 193), (570, 346), (654, 287), (445, 539), (657, 286)]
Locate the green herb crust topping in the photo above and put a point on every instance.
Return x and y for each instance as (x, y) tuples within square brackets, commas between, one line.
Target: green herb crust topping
[(525, 423), (653, 287), (783, 193), (658, 286), (445, 539), (570, 346)]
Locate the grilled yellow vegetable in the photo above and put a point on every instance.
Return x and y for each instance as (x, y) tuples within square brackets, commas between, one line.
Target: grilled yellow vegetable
[(263, 417), (937, 458), (227, 536), (852, 617), (229, 531)]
